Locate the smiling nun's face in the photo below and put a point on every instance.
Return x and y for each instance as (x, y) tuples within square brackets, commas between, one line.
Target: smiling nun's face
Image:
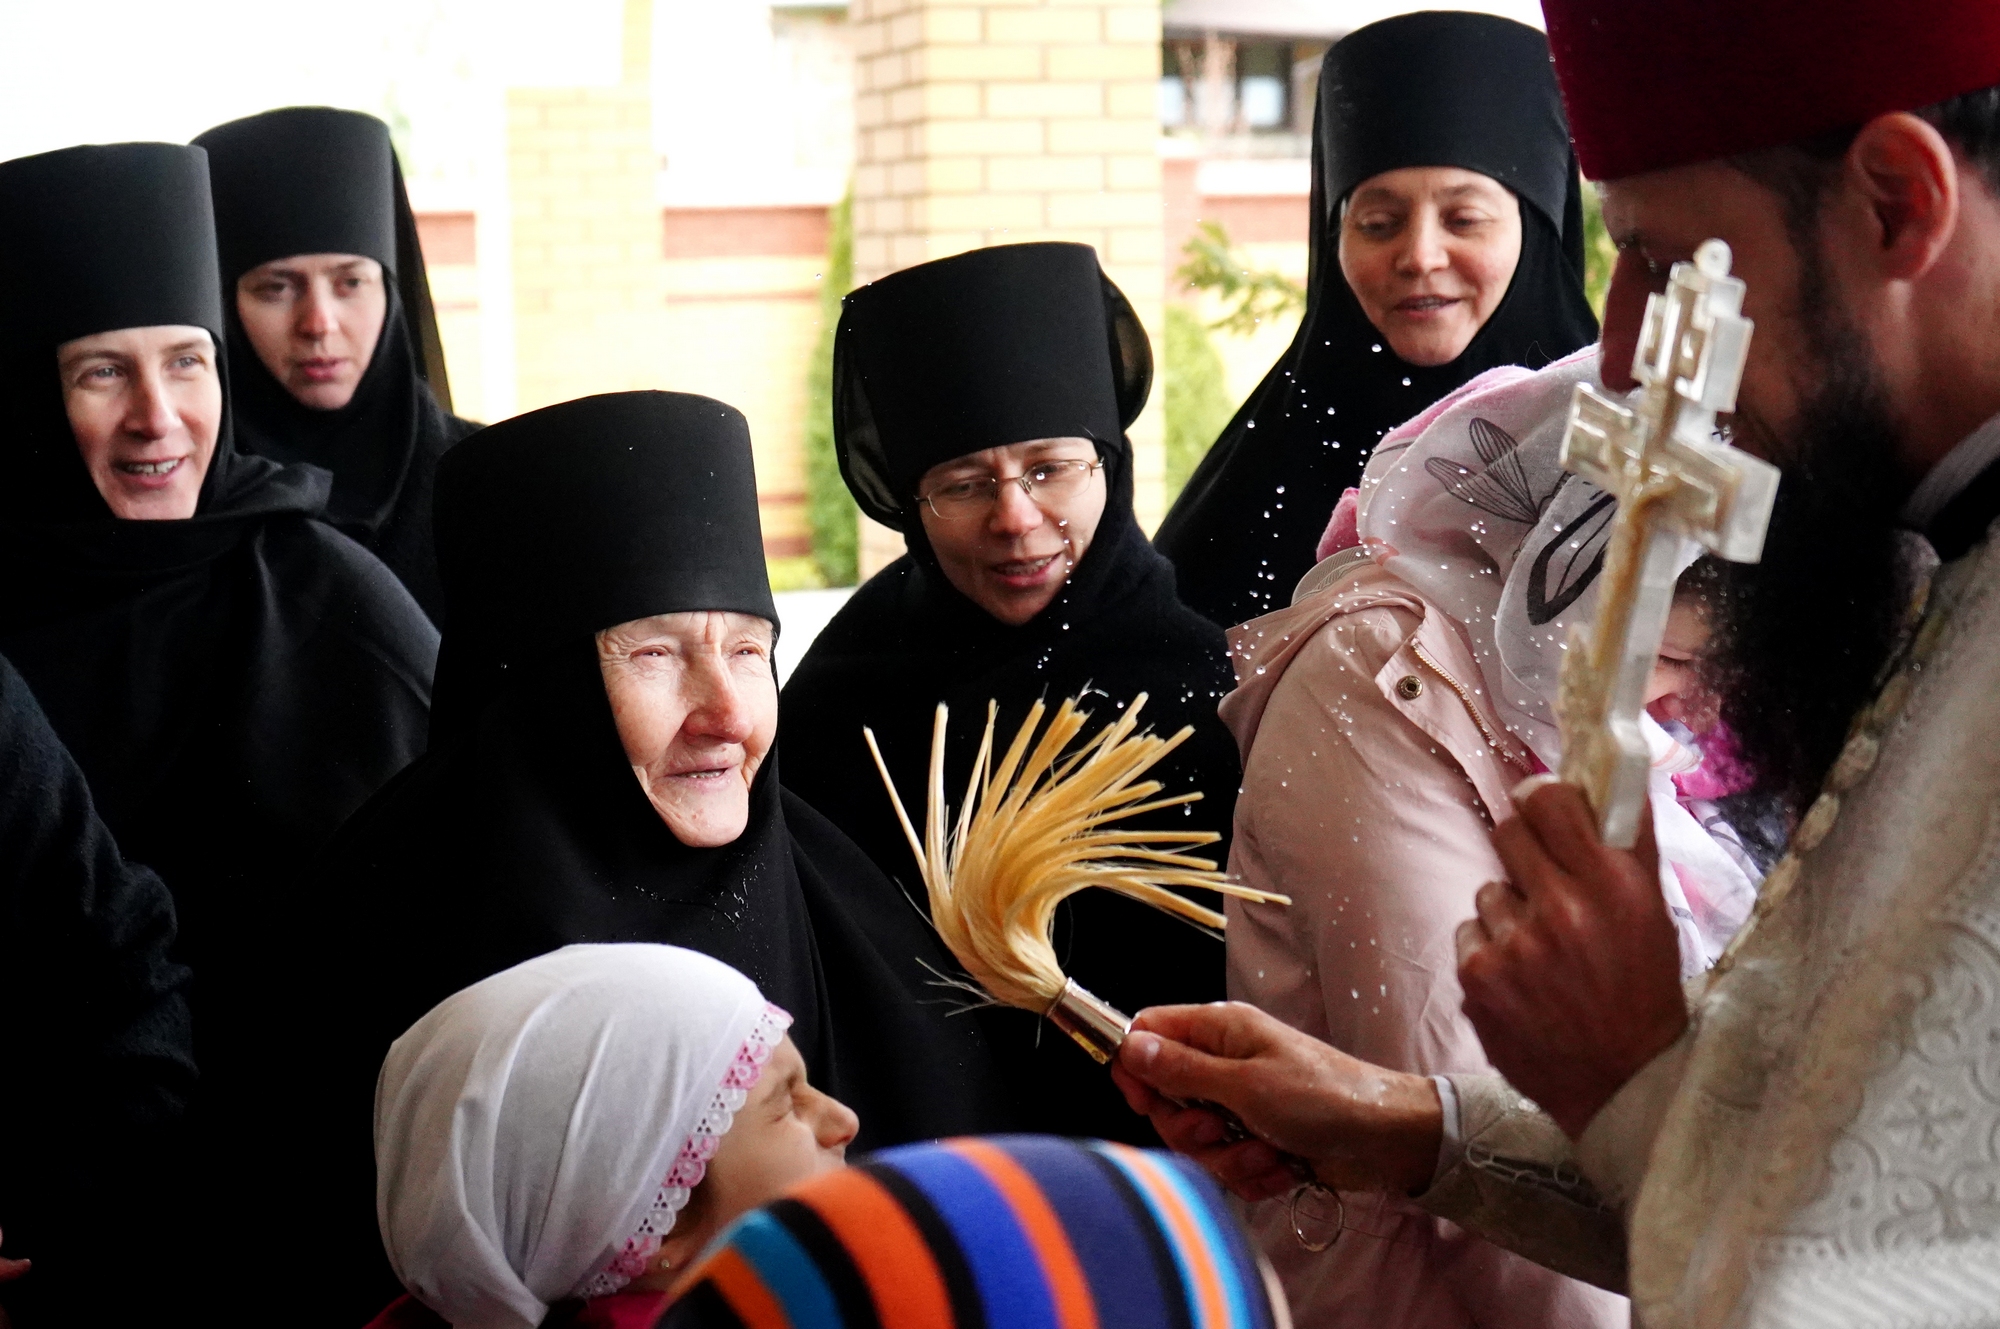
[(1429, 252), (145, 406), (696, 705)]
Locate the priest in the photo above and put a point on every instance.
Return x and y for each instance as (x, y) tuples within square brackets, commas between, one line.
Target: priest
[(1811, 1136)]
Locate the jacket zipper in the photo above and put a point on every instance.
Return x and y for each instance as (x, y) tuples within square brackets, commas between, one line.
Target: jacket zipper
[(1465, 698)]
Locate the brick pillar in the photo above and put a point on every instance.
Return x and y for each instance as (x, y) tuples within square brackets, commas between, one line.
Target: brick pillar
[(588, 272), (1009, 121)]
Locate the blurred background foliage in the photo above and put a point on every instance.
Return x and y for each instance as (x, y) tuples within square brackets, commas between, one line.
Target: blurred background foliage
[(829, 507)]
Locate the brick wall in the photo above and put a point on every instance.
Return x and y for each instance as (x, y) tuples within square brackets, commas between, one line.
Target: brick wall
[(588, 295), (1009, 121)]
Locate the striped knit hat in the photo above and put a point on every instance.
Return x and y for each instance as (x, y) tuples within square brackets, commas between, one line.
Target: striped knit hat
[(1006, 1232)]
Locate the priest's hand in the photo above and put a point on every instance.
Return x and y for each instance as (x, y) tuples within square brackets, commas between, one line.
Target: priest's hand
[(1361, 1127), (9, 1271), (1571, 971)]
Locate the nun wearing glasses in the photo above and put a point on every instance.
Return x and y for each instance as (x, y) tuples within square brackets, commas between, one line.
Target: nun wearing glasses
[(980, 408)]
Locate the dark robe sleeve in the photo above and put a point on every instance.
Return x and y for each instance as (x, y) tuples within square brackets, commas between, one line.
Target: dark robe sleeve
[(99, 1066)]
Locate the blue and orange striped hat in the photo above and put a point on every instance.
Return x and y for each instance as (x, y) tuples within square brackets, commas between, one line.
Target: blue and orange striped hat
[(1006, 1232)]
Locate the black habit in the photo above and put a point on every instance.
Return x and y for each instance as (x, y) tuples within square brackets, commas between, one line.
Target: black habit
[(985, 349), (1429, 89), (233, 685), (314, 180), (524, 828), (99, 1067)]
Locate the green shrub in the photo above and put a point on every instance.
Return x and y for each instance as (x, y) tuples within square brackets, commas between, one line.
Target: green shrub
[(836, 536), (1196, 396)]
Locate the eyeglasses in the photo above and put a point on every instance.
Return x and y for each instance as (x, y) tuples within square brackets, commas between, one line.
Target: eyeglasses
[(1052, 483)]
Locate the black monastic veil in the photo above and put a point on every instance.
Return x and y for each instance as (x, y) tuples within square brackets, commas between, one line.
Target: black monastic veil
[(994, 347), (315, 180), (524, 828), (233, 685), (1428, 89)]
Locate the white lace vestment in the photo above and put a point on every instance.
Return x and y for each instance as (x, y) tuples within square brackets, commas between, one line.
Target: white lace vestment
[(1823, 1146)]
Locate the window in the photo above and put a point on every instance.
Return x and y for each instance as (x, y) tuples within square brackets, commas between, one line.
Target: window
[(1218, 85)]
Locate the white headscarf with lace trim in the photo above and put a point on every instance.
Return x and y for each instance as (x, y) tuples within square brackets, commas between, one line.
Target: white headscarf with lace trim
[(537, 1133)]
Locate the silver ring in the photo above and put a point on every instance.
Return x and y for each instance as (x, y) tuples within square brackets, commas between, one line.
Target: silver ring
[(1340, 1223)]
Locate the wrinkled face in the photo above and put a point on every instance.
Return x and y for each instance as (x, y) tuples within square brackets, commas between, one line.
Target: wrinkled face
[(1429, 252), (1006, 549), (145, 405), (314, 320), (786, 1133), (696, 704)]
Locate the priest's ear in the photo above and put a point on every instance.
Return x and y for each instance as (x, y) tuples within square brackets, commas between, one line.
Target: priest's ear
[(1903, 185)]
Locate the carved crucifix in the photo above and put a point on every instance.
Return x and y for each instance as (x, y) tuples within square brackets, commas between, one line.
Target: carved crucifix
[(1674, 482)]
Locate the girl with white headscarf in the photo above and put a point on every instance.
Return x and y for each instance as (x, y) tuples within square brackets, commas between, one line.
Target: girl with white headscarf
[(569, 1132)]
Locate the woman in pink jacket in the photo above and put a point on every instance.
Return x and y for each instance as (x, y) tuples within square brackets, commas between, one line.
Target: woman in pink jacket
[(1383, 719)]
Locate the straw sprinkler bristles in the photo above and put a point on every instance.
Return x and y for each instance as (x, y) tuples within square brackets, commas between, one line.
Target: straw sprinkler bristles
[(1031, 833)]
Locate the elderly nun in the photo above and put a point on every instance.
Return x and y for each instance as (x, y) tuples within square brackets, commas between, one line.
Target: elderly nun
[(604, 767)]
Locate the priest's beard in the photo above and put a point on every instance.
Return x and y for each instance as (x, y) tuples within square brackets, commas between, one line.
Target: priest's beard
[(1799, 637)]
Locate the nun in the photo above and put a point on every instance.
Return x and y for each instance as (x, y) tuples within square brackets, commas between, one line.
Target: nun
[(331, 330), (233, 675), (1447, 240), (603, 767), (980, 407)]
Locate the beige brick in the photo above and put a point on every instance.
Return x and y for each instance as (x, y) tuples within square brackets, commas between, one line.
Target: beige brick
[(1133, 23), (1038, 100), (1140, 282), (1104, 61), (953, 24), (870, 180), (871, 252), (582, 116), (952, 101), (1136, 99), (1133, 171), (868, 38), (1081, 235), (907, 251), (884, 73), (1144, 245), (906, 104), (1023, 173), (870, 109), (1042, 24), (907, 178), (906, 30), (979, 62), (991, 137), (943, 244), (955, 175), (1105, 209), (973, 211)]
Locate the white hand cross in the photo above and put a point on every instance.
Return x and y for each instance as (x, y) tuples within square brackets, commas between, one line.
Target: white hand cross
[(1674, 481)]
